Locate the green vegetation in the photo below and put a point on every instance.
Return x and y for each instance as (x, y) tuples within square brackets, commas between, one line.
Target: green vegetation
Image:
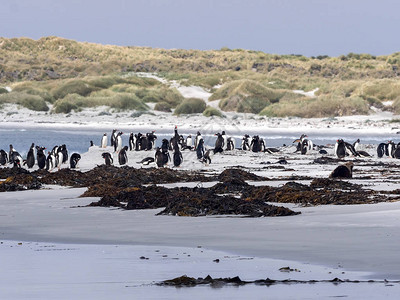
[(211, 111), (74, 75), (190, 106)]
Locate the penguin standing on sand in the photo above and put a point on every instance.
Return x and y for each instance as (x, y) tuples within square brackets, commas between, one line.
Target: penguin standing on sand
[(225, 138), (230, 144), (381, 149), (151, 139), (255, 144), (113, 137), (75, 158), (30, 158), (189, 142), (197, 140), (132, 142), (390, 149), (340, 148), (118, 142), (164, 145), (219, 143), (245, 142), (304, 145), (50, 161), (396, 153), (107, 158), (178, 159), (104, 141), (14, 157), (3, 157), (207, 157), (41, 157), (161, 157), (356, 144), (200, 149), (122, 157)]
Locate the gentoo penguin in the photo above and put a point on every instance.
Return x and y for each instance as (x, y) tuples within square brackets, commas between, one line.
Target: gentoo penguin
[(197, 140), (41, 157), (225, 138), (304, 145), (174, 139), (91, 144), (3, 157), (381, 149), (104, 141), (200, 149), (132, 142), (122, 157), (390, 149), (343, 171), (14, 157), (49, 161), (356, 144), (178, 159), (219, 143), (151, 139), (146, 161), (161, 157), (65, 153), (255, 144), (245, 142), (189, 142), (113, 137), (138, 139), (350, 149), (73, 161), (262, 146), (118, 142), (396, 153), (107, 158), (340, 148), (230, 144), (164, 145), (30, 158), (207, 157), (143, 142)]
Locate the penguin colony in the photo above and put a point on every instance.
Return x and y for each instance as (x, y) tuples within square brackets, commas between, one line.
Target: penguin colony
[(59, 156)]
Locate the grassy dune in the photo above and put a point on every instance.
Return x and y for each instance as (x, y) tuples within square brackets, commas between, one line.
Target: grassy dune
[(72, 75)]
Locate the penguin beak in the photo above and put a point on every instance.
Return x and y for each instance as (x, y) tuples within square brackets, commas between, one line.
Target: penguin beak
[(297, 141)]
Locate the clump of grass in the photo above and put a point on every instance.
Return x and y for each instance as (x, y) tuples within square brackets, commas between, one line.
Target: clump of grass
[(190, 106), (211, 111), (3, 91), (160, 94), (76, 86), (32, 102), (318, 108), (163, 106), (64, 107), (384, 89)]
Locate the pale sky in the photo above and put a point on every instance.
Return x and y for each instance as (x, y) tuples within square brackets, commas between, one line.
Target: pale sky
[(313, 27)]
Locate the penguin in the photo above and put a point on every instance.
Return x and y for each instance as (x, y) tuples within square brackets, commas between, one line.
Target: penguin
[(158, 158), (363, 154), (200, 149), (245, 142), (113, 137), (30, 158), (146, 161), (304, 145), (323, 152), (178, 159), (91, 144), (3, 157), (14, 157), (381, 149), (197, 140), (143, 142), (138, 139), (343, 171), (255, 144), (104, 141), (390, 149), (118, 142), (189, 142), (350, 149), (207, 157), (75, 158), (50, 161), (151, 138), (219, 143), (262, 146), (65, 153), (107, 158), (41, 157), (356, 144), (132, 142), (175, 138), (396, 153), (340, 148), (122, 157), (230, 144), (164, 145), (182, 142), (225, 138)]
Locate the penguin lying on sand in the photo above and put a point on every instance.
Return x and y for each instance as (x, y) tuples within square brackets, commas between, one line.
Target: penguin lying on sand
[(146, 161)]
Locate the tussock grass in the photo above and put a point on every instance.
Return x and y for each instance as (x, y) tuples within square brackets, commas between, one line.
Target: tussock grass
[(318, 108), (32, 102), (163, 106), (75, 86), (190, 106), (3, 91), (211, 111)]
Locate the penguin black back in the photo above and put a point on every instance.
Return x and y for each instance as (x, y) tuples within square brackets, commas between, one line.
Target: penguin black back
[(75, 158), (41, 157), (177, 157), (200, 149), (107, 158), (122, 157), (30, 158), (219, 143), (3, 157)]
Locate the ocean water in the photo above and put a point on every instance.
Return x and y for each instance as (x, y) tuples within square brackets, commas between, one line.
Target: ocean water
[(78, 140)]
